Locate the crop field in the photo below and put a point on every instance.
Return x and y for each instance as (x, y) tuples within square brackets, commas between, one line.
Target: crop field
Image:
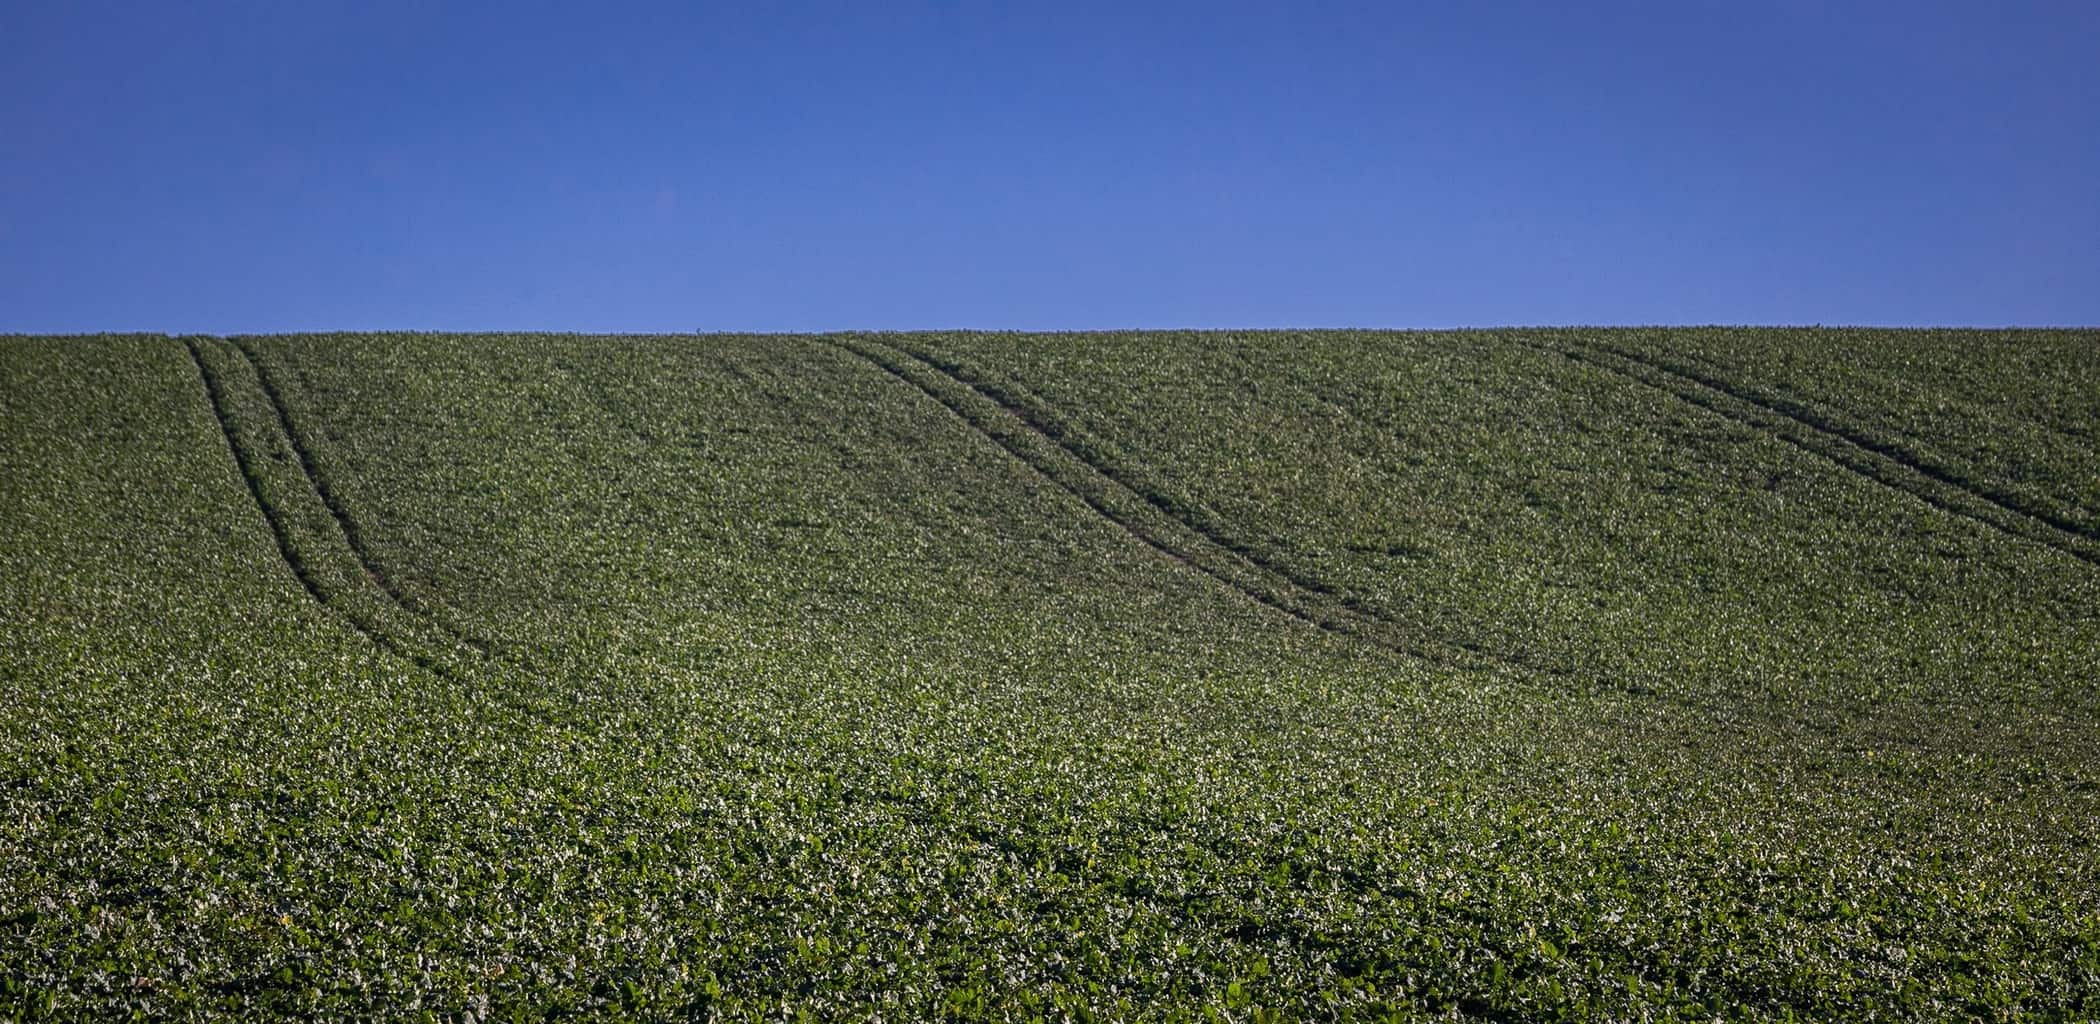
[(1550, 675)]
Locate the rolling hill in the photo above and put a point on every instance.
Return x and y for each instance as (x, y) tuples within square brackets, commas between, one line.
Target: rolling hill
[(1507, 675)]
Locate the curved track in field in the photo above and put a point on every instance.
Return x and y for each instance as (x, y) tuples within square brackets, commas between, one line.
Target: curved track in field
[(1888, 465), (356, 591), (352, 536), (1022, 429), (215, 393), (1814, 419)]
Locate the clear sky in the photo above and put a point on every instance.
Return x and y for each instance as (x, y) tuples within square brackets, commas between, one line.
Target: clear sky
[(755, 166)]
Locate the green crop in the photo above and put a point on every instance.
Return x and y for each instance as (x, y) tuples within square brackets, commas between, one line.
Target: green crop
[(1516, 675)]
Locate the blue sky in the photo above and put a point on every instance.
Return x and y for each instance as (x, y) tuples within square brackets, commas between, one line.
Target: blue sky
[(677, 167)]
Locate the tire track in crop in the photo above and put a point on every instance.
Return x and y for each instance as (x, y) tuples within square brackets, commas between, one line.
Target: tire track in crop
[(284, 530), (214, 390), (1150, 519), (891, 361), (1194, 547), (1880, 462), (1813, 419), (319, 481), (1034, 410), (248, 462)]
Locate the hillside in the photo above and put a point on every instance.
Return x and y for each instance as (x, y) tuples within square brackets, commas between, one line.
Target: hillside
[(1512, 675)]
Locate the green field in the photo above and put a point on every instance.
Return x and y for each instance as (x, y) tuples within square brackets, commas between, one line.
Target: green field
[(1503, 675)]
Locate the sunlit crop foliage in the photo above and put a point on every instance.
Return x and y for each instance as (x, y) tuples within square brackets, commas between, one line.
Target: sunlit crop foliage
[(1516, 675)]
